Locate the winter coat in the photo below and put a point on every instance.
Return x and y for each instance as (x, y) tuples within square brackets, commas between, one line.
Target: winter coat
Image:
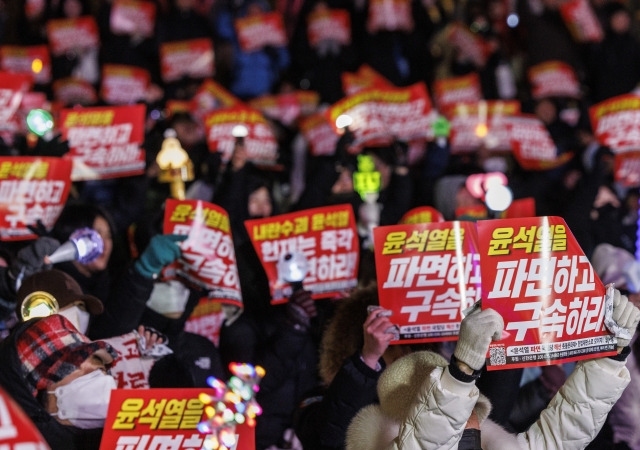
[(418, 412)]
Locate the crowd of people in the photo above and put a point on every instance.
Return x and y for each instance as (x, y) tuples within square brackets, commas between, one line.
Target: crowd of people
[(332, 379)]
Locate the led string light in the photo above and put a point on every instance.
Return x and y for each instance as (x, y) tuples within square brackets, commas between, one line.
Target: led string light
[(231, 404)]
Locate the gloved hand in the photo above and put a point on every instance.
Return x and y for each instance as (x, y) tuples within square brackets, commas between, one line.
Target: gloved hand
[(401, 153), (30, 259), (626, 315), (161, 251), (300, 309), (477, 330)]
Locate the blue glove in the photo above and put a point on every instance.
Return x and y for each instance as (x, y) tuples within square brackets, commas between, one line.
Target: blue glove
[(161, 251)]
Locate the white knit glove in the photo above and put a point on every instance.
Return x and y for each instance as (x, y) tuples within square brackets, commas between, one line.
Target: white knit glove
[(626, 315), (477, 330)]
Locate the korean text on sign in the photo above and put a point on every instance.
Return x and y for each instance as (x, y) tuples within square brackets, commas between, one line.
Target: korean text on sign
[(326, 236), (427, 274), (536, 276)]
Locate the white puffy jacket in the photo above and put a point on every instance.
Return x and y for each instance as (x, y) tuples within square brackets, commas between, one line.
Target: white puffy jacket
[(423, 407)]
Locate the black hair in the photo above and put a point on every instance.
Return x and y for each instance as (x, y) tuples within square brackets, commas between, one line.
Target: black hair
[(79, 215)]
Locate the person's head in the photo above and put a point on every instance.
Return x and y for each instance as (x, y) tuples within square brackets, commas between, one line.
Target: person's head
[(54, 286), (187, 129), (66, 371), (259, 201), (85, 215), (618, 18)]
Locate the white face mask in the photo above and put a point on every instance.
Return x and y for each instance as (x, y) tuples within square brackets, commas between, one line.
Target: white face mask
[(78, 317), (168, 297), (85, 400)]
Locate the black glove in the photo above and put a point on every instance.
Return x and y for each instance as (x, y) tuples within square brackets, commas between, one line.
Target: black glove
[(30, 259), (401, 153)]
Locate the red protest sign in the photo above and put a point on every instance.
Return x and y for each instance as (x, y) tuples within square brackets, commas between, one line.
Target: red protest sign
[(208, 257), (287, 107), (382, 114), (581, 21), (33, 59), (616, 122), (627, 168), (13, 88), (483, 123), (211, 96), (326, 236), (329, 25), (149, 419), (319, 134), (390, 15), (533, 147), (31, 188), (536, 276), (131, 370), (260, 142), (365, 77), (422, 214), (67, 35), (189, 58), (449, 91), (104, 142), (74, 91), (16, 429), (553, 79), (427, 275), (123, 84), (206, 319), (257, 31), (132, 17), (470, 45)]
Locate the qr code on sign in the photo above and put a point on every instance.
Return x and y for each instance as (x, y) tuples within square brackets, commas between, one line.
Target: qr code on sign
[(497, 357)]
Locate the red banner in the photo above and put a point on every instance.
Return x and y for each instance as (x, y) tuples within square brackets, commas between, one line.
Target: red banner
[(482, 123), (123, 84), (627, 168), (191, 58), (536, 276), (151, 419), (34, 60), (329, 25), (211, 96), (67, 35), (13, 88), (581, 20), (260, 30), (74, 91), (16, 429), (288, 107), (553, 79), (365, 77), (427, 275), (260, 141), (468, 44), (326, 236), (422, 214), (382, 114), (533, 147), (319, 134), (104, 142), (449, 91), (133, 17), (206, 319), (616, 122), (208, 257), (31, 188), (390, 15)]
